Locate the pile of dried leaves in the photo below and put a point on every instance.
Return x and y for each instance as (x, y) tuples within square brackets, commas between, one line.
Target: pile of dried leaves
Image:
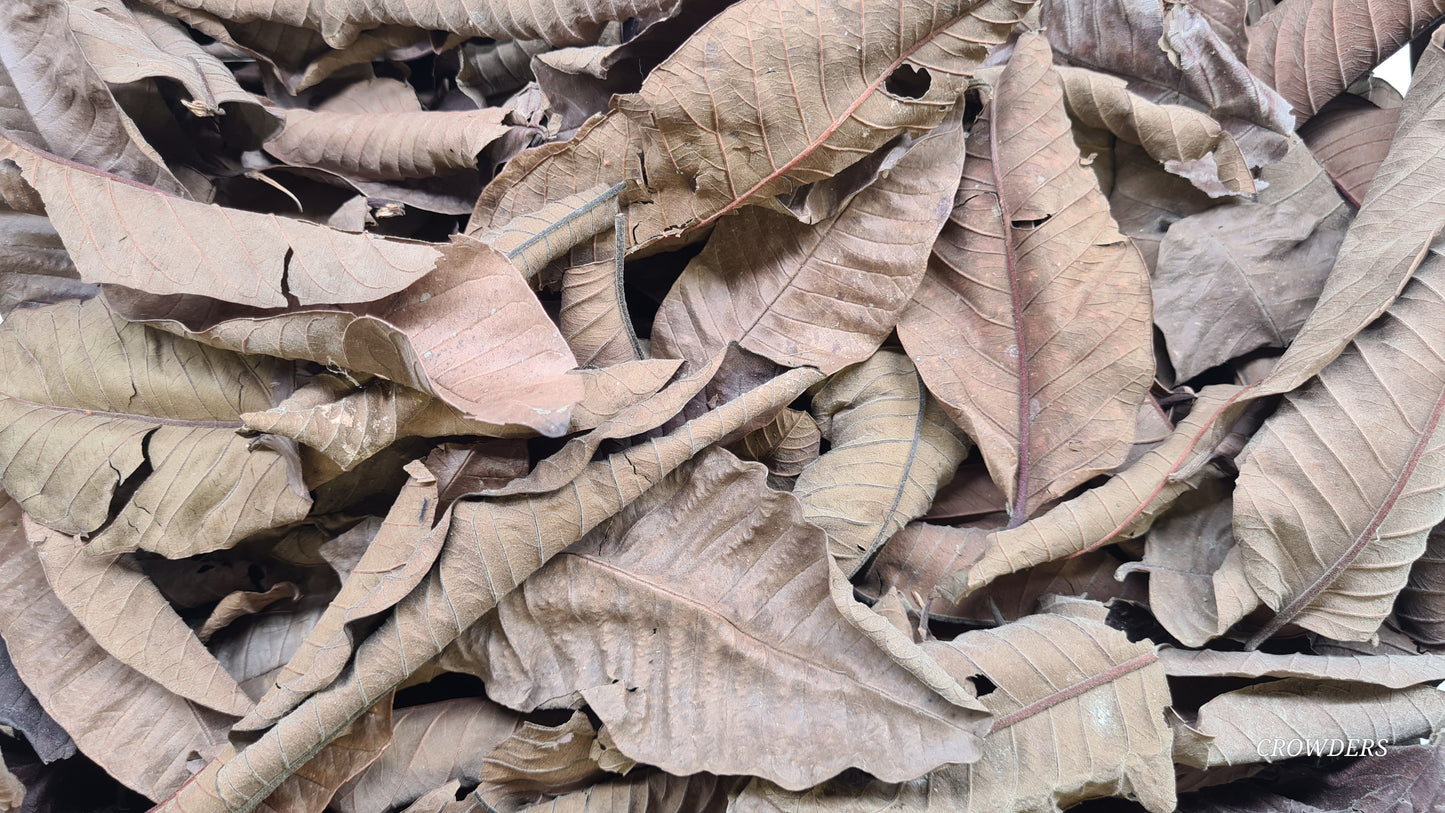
[(690, 405)]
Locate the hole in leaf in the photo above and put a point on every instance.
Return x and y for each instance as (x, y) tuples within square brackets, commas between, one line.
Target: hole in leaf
[(983, 685), (1029, 224), (908, 82)]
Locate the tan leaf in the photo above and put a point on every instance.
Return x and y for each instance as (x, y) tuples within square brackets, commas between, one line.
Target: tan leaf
[(310, 789), (584, 624), (1339, 489), (788, 444), (855, 89), (69, 113), (1351, 137), (919, 556), (654, 792), (1188, 143), (124, 234), (1122, 508), (493, 545), (138, 408), (594, 315), (1389, 671), (892, 448), (534, 238), (1197, 587), (18, 707), (127, 42), (537, 760), (1032, 324), (243, 603), (825, 295), (137, 731), (1312, 51), (340, 21), (127, 616), (1059, 680), (430, 745), (395, 561), (387, 146), (469, 333), (1263, 723)]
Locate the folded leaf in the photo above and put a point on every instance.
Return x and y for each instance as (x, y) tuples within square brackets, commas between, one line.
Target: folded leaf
[(825, 295), (739, 599), (469, 333), (1187, 142), (136, 413), (69, 112), (861, 81), (1389, 671), (538, 760), (137, 731), (594, 315), (1032, 324), (127, 616), (892, 448), (395, 561), (1242, 726), (127, 42), (788, 444), (430, 745), (387, 146), (492, 545)]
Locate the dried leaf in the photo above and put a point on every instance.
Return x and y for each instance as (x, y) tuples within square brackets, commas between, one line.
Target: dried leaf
[(1351, 137), (1389, 671), (127, 616), (18, 707), (537, 760), (140, 733), (788, 444), (1242, 726), (387, 146), (241, 604), (892, 448), (430, 744), (1031, 326), (654, 792), (1312, 51), (824, 295), (144, 417), (755, 540), (395, 561), (872, 89)]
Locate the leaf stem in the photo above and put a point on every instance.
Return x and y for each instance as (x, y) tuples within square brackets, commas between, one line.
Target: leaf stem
[(1019, 511)]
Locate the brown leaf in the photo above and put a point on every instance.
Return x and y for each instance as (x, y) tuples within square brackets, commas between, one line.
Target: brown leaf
[(70, 113), (594, 315), (491, 69), (969, 495), (539, 760), (127, 42), (125, 234), (340, 21), (654, 792), (430, 745), (737, 532), (1242, 726), (1031, 325), (1351, 136), (395, 561), (856, 88), (787, 445), (1419, 609), (137, 731), (1124, 507), (1188, 143), (1146, 199), (1338, 490), (471, 576), (1312, 50), (387, 146), (1197, 588), (918, 557), (1389, 671), (469, 333), (1059, 680), (144, 415), (243, 603), (892, 448), (127, 616), (824, 295)]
